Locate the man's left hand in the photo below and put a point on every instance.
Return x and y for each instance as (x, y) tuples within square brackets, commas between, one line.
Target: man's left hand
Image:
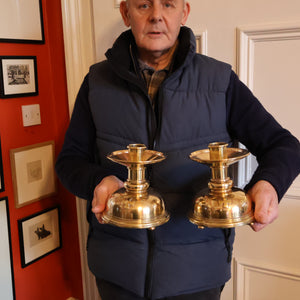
[(265, 200)]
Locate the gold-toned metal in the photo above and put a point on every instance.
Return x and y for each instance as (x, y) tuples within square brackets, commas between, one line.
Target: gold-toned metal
[(136, 205), (224, 206)]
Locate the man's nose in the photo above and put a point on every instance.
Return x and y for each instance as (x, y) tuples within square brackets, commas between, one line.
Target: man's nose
[(156, 13)]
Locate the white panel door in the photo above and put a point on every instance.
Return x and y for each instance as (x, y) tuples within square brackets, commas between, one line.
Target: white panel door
[(267, 264)]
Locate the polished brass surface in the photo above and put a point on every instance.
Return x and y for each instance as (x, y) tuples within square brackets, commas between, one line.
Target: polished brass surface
[(223, 206), (136, 205)]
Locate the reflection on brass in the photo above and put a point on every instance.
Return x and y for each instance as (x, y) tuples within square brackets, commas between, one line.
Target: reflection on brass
[(224, 206), (136, 205)]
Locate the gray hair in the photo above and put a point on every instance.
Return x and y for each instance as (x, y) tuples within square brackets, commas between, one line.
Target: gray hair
[(127, 1)]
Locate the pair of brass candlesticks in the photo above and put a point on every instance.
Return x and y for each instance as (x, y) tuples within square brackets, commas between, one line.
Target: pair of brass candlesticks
[(138, 206)]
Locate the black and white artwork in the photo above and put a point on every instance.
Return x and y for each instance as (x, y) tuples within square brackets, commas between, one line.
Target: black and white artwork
[(18, 76), (39, 235), (33, 172)]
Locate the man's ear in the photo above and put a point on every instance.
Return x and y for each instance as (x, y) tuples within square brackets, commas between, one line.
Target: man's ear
[(186, 12), (124, 13)]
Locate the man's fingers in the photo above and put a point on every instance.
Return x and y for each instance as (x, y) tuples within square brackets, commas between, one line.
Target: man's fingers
[(266, 211), (257, 226), (265, 201), (102, 192)]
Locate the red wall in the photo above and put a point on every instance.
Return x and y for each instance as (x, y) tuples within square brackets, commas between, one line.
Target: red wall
[(58, 275)]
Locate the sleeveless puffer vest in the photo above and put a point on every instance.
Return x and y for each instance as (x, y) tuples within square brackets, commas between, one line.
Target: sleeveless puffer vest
[(175, 258)]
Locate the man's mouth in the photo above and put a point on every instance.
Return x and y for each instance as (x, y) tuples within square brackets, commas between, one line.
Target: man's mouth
[(155, 33)]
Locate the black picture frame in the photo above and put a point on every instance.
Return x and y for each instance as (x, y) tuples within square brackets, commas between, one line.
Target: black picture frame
[(2, 188), (7, 283), (29, 25), (18, 76), (39, 235)]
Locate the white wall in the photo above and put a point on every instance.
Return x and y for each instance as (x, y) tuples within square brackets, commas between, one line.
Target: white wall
[(220, 18)]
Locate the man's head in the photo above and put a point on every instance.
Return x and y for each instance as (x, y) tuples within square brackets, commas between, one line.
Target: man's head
[(155, 24)]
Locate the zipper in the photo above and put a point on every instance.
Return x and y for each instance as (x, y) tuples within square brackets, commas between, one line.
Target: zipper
[(149, 270), (155, 122), (153, 130), (150, 233)]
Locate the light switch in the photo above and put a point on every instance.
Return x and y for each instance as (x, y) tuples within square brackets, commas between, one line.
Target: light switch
[(31, 115)]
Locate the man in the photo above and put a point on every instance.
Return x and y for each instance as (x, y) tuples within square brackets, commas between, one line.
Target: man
[(154, 89)]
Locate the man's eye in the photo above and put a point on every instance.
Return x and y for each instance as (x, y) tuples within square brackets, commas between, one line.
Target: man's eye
[(144, 6), (168, 4)]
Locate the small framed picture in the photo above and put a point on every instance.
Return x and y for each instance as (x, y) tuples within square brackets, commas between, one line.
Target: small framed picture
[(40, 235), (18, 76), (7, 286), (33, 172), (1, 171)]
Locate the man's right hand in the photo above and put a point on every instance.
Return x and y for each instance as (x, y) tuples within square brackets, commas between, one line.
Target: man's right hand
[(102, 192)]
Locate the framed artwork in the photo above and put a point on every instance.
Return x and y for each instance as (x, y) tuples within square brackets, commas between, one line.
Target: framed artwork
[(18, 76), (21, 21), (39, 235), (33, 172), (1, 171), (7, 286)]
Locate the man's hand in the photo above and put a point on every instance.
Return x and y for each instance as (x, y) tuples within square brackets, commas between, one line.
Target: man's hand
[(102, 192), (265, 200)]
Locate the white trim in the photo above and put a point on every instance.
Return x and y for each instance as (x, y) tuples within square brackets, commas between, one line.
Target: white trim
[(79, 43), (117, 3), (294, 191), (247, 37), (201, 42), (242, 267), (79, 55)]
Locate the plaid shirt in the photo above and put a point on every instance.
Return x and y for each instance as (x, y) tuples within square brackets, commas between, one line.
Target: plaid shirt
[(153, 78)]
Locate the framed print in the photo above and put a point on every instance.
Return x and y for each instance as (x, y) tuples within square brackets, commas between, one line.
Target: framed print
[(21, 21), (18, 76), (39, 235), (7, 286), (33, 173), (1, 171)]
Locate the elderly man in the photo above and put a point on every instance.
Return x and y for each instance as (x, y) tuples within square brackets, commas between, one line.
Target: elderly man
[(154, 89)]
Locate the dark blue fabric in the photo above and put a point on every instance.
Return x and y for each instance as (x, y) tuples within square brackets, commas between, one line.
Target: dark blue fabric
[(110, 291), (191, 114), (201, 101)]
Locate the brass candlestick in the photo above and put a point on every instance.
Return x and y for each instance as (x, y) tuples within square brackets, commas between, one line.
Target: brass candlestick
[(224, 206), (136, 205)]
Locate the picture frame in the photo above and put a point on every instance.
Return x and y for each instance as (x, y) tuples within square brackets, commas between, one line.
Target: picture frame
[(18, 76), (39, 235), (33, 172), (2, 189), (7, 286), (21, 22)]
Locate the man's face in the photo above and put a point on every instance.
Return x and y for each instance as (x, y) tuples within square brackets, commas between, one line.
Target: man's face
[(155, 24)]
